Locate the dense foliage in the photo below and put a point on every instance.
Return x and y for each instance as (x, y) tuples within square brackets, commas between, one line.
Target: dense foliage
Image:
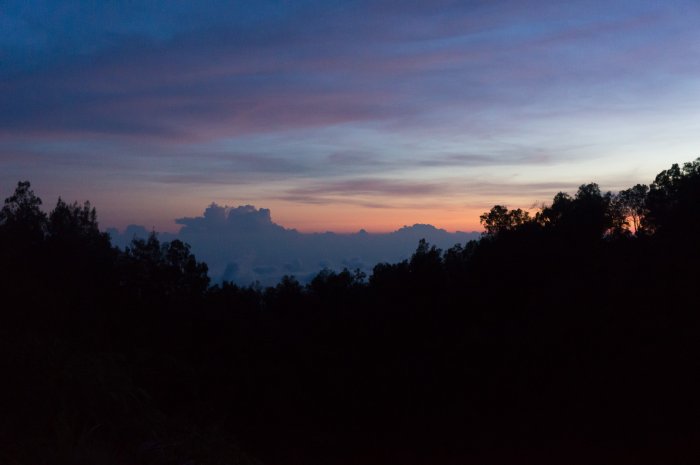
[(568, 336)]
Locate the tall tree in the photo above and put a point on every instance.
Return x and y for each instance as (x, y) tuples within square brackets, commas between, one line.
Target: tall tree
[(499, 219), (21, 216), (632, 203), (673, 201)]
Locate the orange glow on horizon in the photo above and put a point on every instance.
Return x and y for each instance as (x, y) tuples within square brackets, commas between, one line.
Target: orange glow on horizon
[(341, 219), (159, 212), (351, 218)]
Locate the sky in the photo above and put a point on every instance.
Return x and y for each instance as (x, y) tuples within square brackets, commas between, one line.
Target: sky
[(342, 115)]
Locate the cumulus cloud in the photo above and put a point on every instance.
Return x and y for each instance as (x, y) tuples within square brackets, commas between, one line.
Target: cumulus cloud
[(242, 244)]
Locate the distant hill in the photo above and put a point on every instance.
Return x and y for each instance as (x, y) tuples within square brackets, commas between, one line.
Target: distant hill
[(242, 244)]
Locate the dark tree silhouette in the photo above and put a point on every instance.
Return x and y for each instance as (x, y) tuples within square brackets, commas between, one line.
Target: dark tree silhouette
[(673, 201), (21, 216), (555, 333), (499, 219), (632, 203)]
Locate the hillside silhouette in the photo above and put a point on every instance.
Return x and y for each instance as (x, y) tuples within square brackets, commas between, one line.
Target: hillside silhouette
[(567, 336)]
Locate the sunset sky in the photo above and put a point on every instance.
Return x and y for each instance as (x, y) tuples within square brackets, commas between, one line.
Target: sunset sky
[(342, 115)]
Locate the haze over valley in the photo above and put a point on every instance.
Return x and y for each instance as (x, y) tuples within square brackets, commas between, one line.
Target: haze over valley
[(243, 245)]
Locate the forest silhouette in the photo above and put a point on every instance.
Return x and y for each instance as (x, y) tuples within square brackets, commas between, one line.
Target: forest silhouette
[(567, 336)]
